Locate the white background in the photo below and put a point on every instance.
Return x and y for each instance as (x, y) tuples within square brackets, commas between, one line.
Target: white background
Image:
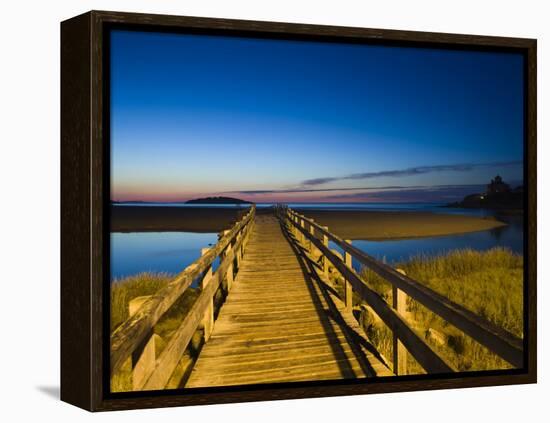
[(29, 170)]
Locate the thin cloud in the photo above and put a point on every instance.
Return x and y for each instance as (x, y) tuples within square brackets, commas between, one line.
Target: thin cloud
[(435, 194), (378, 188), (412, 171)]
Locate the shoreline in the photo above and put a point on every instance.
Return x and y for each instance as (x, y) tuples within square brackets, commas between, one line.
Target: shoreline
[(381, 226), (356, 224), (173, 219)]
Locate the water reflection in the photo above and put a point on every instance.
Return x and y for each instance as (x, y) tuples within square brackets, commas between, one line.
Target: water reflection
[(393, 251), (169, 252)]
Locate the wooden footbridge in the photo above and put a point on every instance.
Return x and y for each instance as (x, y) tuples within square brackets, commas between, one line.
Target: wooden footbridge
[(289, 312)]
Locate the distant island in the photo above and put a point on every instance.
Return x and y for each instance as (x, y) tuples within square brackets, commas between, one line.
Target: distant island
[(499, 195), (217, 200)]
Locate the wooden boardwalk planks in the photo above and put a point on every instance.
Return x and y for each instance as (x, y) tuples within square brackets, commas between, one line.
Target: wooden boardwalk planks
[(279, 325)]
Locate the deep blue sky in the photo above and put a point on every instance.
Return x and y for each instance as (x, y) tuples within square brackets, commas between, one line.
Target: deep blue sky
[(205, 115)]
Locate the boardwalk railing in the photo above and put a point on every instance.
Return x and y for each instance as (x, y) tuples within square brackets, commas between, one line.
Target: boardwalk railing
[(317, 237), (134, 339)]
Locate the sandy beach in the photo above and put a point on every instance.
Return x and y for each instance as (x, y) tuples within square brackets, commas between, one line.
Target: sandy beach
[(369, 225), (375, 225)]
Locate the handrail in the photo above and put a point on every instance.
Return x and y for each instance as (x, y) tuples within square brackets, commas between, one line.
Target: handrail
[(499, 341), (130, 334)]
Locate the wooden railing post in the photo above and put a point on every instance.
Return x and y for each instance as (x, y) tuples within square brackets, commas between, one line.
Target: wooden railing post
[(208, 319), (302, 236), (238, 252), (399, 300), (348, 288), (144, 358), (245, 238), (325, 243), (312, 233), (228, 279)]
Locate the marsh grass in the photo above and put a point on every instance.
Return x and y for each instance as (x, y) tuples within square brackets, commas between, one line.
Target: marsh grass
[(488, 283), (125, 290)]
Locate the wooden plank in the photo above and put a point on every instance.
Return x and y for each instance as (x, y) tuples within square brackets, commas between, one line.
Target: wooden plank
[(300, 372), (278, 362), (239, 305), (266, 315), (269, 338), (243, 349), (279, 298), (272, 316), (269, 330)]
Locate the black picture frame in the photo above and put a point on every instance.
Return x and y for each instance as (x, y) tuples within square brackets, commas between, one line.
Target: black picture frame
[(85, 209)]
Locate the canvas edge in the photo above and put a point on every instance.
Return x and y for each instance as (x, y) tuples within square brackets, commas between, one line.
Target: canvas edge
[(76, 230)]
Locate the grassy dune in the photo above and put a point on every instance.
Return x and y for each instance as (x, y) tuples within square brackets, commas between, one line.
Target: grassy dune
[(122, 292), (488, 283), (125, 290)]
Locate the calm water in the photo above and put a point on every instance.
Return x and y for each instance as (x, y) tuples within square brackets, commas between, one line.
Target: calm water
[(171, 252), (394, 251)]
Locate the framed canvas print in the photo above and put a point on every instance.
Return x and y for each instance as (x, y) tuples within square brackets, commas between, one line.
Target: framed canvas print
[(258, 210)]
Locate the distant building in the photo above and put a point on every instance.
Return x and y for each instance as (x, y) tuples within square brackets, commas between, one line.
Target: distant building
[(497, 185)]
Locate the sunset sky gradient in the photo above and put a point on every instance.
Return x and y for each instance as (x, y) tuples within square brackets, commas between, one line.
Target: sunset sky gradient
[(288, 121)]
